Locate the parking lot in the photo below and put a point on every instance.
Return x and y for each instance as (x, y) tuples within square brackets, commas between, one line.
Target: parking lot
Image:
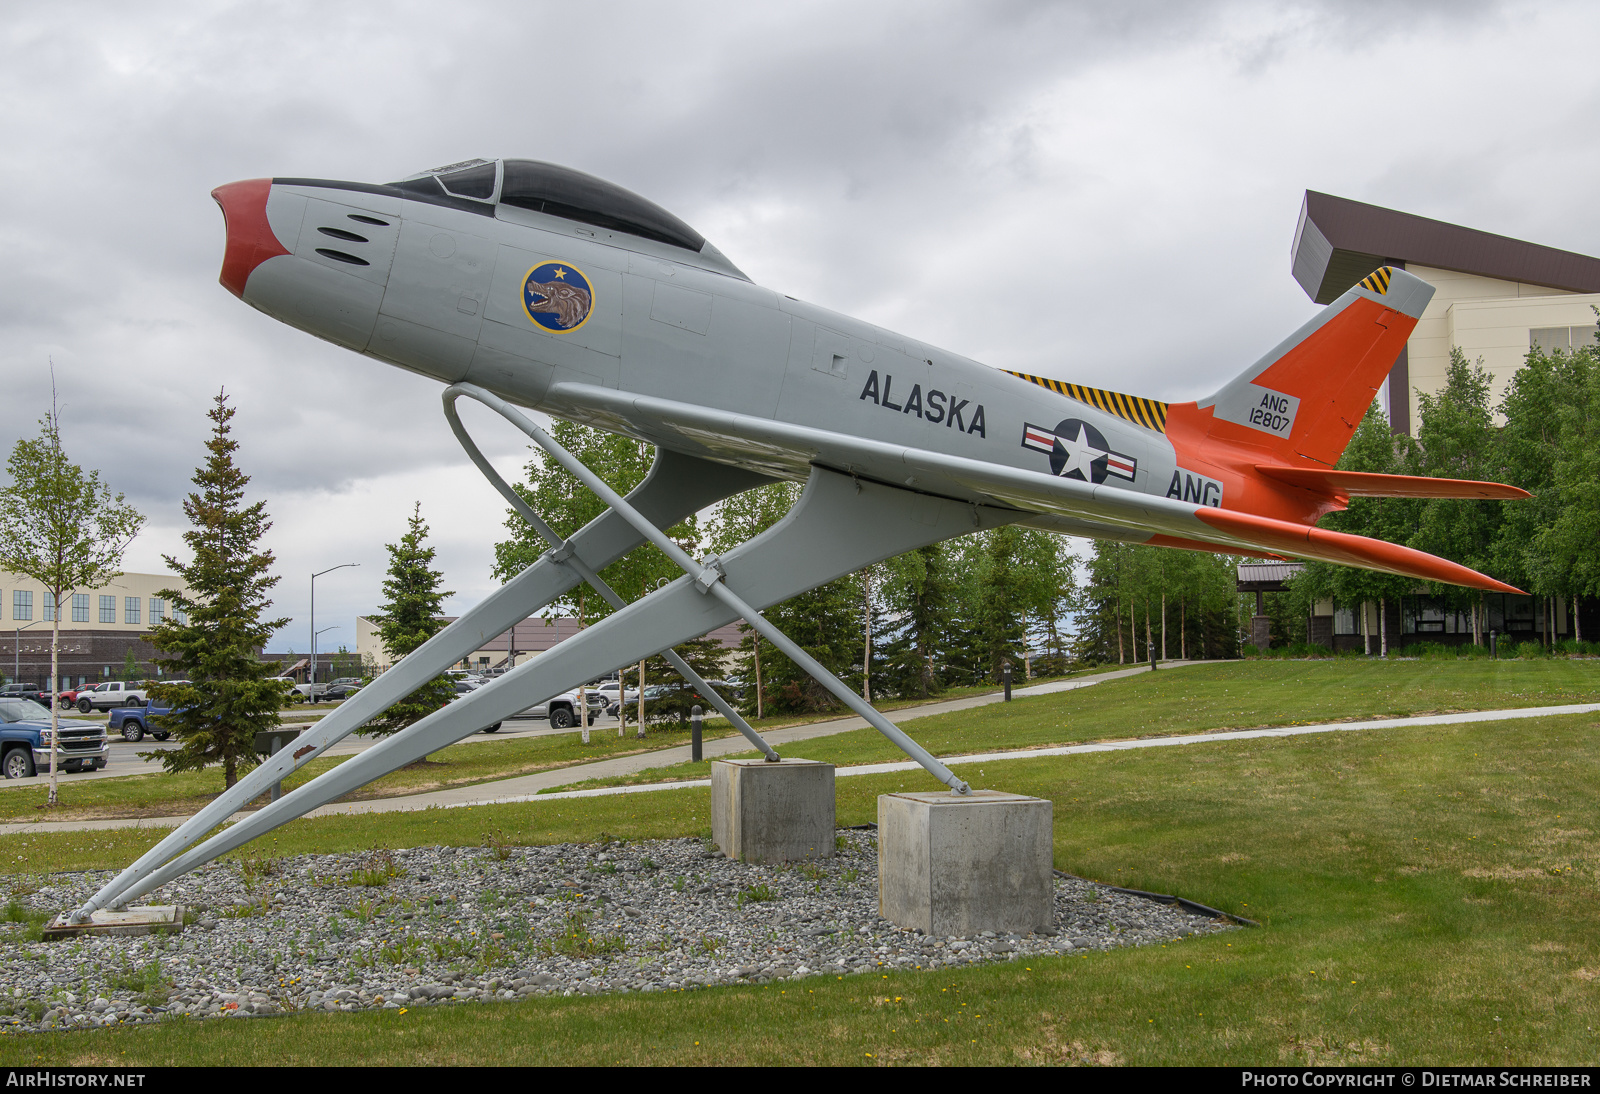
[(125, 758)]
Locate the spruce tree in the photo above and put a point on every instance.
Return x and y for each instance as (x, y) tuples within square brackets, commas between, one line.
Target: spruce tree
[(410, 618), (228, 694), (677, 696), (919, 595)]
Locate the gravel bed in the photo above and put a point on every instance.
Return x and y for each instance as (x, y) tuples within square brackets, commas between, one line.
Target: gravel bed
[(428, 925)]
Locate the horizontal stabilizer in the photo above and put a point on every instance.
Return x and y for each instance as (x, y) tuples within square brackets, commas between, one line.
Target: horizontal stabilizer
[(1320, 544), (1362, 484)]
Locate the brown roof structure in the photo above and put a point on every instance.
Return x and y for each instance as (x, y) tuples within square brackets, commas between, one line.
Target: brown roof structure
[(1339, 241), (535, 635), (1266, 577)]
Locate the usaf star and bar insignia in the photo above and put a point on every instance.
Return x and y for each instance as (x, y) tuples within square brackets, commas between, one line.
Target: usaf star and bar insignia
[(1078, 450)]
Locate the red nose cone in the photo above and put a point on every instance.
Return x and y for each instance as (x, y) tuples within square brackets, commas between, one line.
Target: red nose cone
[(250, 238)]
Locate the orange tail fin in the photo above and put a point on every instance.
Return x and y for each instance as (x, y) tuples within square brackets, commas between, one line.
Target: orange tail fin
[(1304, 400)]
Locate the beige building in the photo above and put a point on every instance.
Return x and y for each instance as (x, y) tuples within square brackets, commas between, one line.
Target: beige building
[(99, 627), (1495, 297)]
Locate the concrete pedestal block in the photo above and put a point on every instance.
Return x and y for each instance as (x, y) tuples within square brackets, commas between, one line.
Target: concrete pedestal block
[(956, 865), (772, 812), (139, 919)]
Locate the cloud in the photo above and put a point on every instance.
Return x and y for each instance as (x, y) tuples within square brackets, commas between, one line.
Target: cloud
[(1113, 187)]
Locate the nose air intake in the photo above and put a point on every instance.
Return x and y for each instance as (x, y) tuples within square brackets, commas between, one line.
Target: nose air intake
[(250, 238)]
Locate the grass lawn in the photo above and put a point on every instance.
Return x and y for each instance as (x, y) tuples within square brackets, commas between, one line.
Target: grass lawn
[(162, 795), (1427, 894), (1229, 695), (1222, 696)]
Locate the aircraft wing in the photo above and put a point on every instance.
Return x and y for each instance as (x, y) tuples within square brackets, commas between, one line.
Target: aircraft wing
[(788, 449)]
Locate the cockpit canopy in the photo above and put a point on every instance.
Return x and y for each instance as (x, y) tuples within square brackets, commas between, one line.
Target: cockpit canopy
[(560, 192)]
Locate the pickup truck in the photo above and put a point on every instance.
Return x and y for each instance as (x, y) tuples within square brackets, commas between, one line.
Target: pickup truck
[(25, 691), (134, 722), (112, 693), (562, 709), (25, 741)]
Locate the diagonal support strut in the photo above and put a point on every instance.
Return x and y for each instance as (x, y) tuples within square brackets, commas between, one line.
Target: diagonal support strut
[(676, 487), (559, 553), (708, 578), (839, 525)]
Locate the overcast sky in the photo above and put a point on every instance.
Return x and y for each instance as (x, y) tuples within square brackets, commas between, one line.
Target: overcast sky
[(1099, 192)]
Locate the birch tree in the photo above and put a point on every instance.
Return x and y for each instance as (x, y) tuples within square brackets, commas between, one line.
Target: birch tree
[(64, 528)]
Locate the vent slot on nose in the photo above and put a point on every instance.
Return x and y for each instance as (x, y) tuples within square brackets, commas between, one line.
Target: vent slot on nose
[(340, 256), (369, 220), (340, 233)]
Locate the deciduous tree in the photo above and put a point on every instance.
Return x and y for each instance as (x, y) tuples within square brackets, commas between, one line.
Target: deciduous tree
[(64, 528)]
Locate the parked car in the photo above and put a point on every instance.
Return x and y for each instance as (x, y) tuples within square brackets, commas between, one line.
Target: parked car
[(612, 690), (134, 722), (300, 693), (25, 741), (652, 692), (112, 693), (341, 690), (463, 687)]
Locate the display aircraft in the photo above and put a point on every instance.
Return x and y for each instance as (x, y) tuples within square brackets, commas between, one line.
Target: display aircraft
[(523, 284)]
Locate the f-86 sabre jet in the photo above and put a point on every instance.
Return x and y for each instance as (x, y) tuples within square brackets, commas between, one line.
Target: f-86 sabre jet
[(524, 284)]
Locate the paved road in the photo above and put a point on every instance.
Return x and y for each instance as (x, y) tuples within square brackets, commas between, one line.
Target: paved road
[(125, 759)]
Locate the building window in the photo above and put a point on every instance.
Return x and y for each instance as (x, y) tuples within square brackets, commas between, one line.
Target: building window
[(108, 609), (1344, 621), (80, 607), (180, 617), (48, 602), (21, 604), (158, 610), (1551, 339), (130, 609)]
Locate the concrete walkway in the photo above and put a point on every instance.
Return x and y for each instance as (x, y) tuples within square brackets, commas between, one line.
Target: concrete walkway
[(527, 788), (492, 793), (518, 789)]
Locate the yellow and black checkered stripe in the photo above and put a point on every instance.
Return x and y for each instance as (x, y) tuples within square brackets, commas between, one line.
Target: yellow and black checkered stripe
[(1149, 413), (1378, 280)]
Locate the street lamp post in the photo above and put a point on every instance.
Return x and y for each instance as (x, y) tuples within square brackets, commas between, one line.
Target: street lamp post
[(16, 651), (324, 630), (311, 679)]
